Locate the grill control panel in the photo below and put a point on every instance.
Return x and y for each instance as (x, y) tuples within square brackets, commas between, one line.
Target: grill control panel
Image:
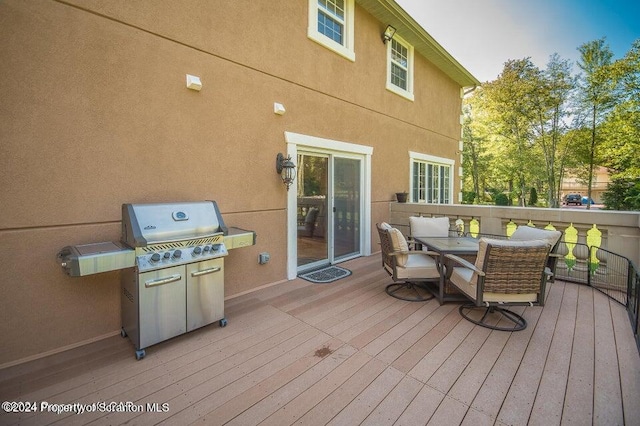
[(148, 261)]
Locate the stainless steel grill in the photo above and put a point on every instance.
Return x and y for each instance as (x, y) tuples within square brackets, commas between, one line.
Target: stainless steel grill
[(177, 284), (172, 261)]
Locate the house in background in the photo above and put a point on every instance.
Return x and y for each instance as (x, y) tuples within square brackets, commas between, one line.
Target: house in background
[(96, 112), (572, 185)]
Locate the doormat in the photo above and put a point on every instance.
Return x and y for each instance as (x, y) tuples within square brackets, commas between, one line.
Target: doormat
[(326, 275)]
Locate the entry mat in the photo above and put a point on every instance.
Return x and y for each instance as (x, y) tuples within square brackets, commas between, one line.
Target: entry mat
[(325, 275)]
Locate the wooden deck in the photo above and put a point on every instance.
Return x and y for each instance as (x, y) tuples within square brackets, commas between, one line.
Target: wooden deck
[(346, 353)]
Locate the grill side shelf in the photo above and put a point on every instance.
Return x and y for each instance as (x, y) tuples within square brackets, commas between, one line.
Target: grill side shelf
[(237, 238)]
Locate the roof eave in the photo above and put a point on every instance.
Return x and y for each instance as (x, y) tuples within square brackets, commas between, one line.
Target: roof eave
[(390, 13)]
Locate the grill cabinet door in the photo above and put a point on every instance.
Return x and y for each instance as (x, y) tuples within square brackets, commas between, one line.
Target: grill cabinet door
[(162, 309), (205, 293)]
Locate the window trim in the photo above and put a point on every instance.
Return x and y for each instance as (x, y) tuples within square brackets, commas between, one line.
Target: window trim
[(431, 159), (408, 94), (347, 49)]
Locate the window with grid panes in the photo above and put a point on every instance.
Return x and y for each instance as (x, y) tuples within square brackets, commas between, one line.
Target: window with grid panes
[(431, 182), (331, 19), (400, 67), (331, 25)]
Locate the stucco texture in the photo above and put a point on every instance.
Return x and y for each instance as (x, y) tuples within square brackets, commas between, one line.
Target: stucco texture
[(95, 113)]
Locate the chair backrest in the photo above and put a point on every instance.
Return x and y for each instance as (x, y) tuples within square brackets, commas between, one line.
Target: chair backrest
[(392, 241), (528, 233), (429, 226), (512, 267), (385, 244), (312, 215)]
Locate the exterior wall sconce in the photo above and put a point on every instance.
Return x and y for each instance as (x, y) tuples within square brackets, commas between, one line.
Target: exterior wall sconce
[(388, 34), (286, 169)]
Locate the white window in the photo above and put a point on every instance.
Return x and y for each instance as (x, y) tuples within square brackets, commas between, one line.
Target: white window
[(331, 25), (400, 67), (431, 179)]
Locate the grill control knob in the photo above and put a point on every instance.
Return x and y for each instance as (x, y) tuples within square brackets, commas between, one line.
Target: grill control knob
[(197, 250), (177, 254), (167, 255), (155, 257), (207, 248)]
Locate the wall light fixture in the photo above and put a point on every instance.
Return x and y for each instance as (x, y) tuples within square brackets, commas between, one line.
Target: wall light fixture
[(388, 34), (286, 169)]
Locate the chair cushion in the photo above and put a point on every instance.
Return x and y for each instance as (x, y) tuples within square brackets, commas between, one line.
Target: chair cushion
[(429, 226), (525, 232), (399, 245), (312, 215), (385, 226), (462, 278), (418, 266)]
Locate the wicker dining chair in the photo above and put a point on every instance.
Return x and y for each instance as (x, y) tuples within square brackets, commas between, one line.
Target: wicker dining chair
[(410, 270), (506, 273), (525, 232)]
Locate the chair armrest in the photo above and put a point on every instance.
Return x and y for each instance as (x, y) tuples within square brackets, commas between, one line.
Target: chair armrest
[(464, 263), (430, 253)]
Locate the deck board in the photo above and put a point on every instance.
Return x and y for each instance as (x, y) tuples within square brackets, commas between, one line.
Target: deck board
[(578, 406), (347, 353), (549, 402)]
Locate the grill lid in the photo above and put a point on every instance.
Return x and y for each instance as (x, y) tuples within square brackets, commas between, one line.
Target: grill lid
[(144, 224)]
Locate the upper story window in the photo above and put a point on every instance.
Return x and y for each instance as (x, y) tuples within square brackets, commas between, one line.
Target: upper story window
[(400, 67), (431, 179), (331, 25)]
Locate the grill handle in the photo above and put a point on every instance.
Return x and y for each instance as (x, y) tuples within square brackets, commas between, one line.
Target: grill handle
[(206, 271), (161, 281)]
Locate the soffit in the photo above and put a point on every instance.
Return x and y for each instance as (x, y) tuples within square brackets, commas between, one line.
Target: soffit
[(390, 13)]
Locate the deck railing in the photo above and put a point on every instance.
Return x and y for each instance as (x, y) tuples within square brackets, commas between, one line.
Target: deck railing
[(590, 247)]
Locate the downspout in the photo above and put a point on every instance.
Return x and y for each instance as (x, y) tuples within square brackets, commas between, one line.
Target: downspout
[(466, 92)]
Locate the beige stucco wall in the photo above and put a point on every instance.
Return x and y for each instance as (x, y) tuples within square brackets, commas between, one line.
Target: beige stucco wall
[(95, 113)]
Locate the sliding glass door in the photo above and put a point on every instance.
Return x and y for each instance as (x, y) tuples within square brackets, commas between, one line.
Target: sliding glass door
[(347, 202), (329, 208)]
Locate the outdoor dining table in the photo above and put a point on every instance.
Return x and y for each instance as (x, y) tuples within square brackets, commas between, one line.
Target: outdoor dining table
[(465, 247)]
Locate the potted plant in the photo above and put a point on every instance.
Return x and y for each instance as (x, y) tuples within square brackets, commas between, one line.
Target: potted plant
[(402, 196)]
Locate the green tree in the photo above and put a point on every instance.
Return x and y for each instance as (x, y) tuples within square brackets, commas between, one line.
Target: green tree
[(552, 101), (511, 112), (621, 128), (621, 134), (475, 160), (596, 94)]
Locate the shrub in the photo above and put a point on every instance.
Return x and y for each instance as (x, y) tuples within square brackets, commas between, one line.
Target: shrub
[(468, 197), (533, 197), (502, 200), (622, 194)]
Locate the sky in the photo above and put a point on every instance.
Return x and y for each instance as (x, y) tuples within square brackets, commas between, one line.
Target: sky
[(483, 34)]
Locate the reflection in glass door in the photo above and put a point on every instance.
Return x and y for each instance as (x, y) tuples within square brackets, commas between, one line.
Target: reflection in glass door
[(346, 207), (312, 209), (329, 205)]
